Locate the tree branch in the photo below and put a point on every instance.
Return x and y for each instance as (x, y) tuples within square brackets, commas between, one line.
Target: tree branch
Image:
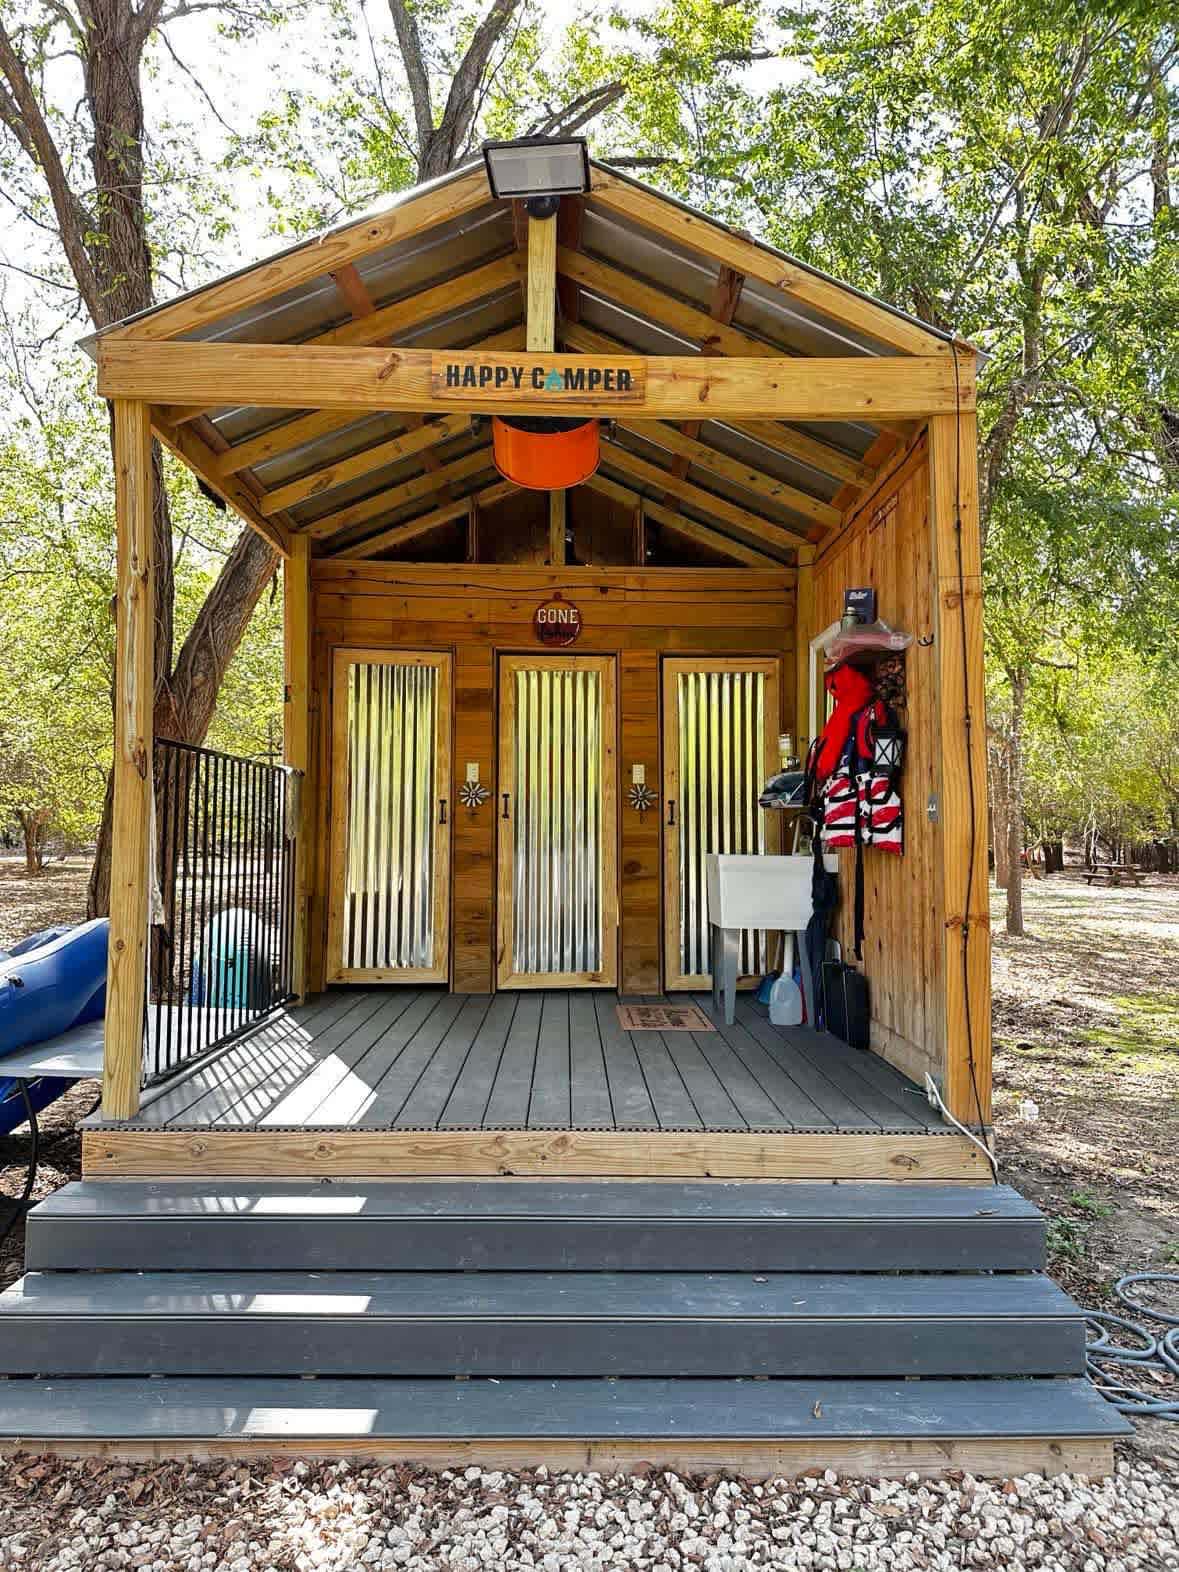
[(22, 113), (409, 40)]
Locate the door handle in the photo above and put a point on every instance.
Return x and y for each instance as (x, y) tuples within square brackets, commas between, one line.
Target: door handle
[(442, 810), (671, 810), (506, 814)]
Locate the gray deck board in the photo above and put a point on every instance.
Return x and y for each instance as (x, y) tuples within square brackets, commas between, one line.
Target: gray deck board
[(340, 1073), (550, 1103), (184, 1407), (466, 1107), (419, 1058), (629, 1094), (430, 1093), (508, 1104), (590, 1092)]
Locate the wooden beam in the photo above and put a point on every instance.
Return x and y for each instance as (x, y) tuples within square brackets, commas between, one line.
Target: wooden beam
[(472, 529), (322, 422), (798, 445), (131, 826), (341, 471), (542, 283), (403, 316), (296, 622), (639, 535), (833, 300), (961, 766), (690, 529), (556, 555), (783, 536), (439, 204), (408, 491), (752, 480), (399, 534), (640, 1154), (804, 632), (189, 446), (677, 387)]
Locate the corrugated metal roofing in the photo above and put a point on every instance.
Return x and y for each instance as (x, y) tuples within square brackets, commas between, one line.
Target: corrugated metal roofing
[(456, 248)]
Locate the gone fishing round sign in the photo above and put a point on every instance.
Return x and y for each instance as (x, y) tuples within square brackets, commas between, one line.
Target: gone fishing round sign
[(557, 622)]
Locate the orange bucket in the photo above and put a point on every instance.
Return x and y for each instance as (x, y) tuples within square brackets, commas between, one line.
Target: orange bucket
[(544, 453)]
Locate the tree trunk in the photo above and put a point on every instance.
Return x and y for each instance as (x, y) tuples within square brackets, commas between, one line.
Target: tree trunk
[(999, 810), (185, 702), (32, 823), (1015, 927)]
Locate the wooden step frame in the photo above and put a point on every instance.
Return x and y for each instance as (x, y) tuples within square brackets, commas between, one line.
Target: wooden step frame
[(128, 1152)]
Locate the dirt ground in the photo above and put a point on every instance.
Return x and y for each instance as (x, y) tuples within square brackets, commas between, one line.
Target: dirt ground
[(1086, 1014)]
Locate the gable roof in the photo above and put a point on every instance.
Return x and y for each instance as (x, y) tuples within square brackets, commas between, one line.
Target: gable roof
[(442, 266)]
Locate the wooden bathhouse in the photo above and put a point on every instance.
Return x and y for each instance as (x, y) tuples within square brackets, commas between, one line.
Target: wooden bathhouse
[(423, 1133)]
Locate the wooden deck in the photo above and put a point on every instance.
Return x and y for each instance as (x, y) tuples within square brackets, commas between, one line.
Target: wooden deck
[(416, 1059)]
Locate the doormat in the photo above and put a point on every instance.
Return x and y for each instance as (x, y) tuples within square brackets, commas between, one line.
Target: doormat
[(663, 1018)]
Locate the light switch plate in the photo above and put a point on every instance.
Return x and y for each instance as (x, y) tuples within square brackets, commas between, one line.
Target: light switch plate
[(473, 774), (638, 774)]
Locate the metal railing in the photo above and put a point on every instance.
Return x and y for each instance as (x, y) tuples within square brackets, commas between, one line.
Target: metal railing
[(222, 900)]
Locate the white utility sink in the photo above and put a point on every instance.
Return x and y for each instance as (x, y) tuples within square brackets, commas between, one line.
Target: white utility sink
[(757, 892)]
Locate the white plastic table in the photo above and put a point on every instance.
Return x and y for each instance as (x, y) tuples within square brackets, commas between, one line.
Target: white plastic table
[(757, 892)]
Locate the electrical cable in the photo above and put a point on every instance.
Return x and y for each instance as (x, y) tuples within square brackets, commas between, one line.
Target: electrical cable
[(935, 1097), (19, 1207)]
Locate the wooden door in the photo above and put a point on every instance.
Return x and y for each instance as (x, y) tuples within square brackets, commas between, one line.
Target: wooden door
[(389, 916), (557, 884), (720, 731)]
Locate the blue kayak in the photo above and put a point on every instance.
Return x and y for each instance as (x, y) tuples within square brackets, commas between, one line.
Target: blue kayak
[(48, 987)]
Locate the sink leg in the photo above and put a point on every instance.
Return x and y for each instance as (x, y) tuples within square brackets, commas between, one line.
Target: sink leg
[(730, 949)]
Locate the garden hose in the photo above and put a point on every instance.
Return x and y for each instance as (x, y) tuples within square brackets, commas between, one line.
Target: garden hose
[(1157, 1353)]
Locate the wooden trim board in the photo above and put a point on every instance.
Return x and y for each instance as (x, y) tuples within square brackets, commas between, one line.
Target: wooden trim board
[(1006, 1458), (131, 1153), (442, 663), (677, 387)]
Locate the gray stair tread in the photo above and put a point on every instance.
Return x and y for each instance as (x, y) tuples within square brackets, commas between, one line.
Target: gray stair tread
[(440, 1297), (706, 1201), (242, 1407)]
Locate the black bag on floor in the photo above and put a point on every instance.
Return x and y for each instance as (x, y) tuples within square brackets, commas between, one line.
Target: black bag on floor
[(845, 1003)]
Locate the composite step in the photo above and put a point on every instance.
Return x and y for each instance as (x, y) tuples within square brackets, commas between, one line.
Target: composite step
[(526, 1225), (283, 1409), (539, 1324)]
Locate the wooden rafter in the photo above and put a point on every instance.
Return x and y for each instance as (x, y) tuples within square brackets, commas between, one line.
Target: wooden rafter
[(833, 300), (405, 315), (798, 445), (690, 529), (353, 290), (408, 491), (399, 534), (675, 387), (782, 536), (437, 204), (294, 434), (188, 445), (691, 452), (341, 471), (726, 293)]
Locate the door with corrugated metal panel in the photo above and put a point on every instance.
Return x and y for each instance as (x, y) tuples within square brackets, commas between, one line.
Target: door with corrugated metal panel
[(557, 886), (720, 731), (389, 914)]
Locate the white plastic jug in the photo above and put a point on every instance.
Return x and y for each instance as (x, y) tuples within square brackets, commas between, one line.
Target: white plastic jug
[(785, 1002)]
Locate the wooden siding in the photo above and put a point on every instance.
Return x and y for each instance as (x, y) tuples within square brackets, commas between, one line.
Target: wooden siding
[(477, 611), (885, 542)]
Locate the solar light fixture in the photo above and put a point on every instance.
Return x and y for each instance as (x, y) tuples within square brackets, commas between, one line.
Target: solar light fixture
[(539, 170)]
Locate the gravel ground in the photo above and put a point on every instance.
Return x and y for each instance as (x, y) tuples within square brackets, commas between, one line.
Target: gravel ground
[(333, 1518)]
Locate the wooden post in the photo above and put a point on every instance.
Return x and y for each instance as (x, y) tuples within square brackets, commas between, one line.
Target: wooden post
[(961, 858), (296, 580), (639, 536), (542, 283), (126, 978), (557, 528), (804, 632)]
